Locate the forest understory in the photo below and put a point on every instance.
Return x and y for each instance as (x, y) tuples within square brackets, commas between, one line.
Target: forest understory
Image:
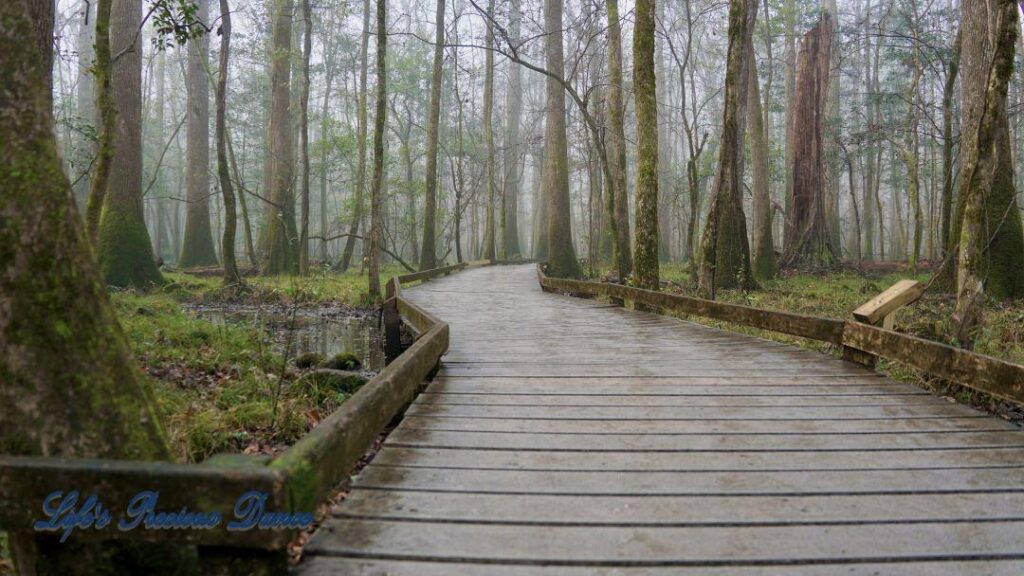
[(231, 370)]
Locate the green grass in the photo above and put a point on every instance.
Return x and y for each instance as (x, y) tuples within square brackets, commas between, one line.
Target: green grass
[(224, 387)]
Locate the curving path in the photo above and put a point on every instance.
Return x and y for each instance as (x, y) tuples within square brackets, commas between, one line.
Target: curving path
[(566, 436)]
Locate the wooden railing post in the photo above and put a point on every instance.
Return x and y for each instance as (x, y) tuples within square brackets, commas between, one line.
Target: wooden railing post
[(882, 308)]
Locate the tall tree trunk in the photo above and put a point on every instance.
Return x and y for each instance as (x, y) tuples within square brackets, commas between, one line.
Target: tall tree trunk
[(307, 49), (85, 147), (329, 71), (197, 249), (832, 129), (763, 259), (1003, 243), (227, 246), (790, 81), (59, 335), (123, 246), (561, 253), (489, 229), (986, 171), (725, 253), (644, 87), (947, 241), (512, 163), (617, 199), (810, 242), (868, 197), (377, 183), (360, 182), (107, 113), (281, 236), (428, 255)]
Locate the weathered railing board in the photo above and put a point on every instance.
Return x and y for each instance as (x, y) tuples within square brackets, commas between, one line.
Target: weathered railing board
[(983, 373), (26, 481), (860, 341), (823, 329)]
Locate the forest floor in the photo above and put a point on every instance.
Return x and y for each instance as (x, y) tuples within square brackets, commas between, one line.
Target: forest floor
[(222, 363), (836, 294)]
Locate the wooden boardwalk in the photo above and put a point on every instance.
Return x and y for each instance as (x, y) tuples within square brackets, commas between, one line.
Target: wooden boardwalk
[(566, 436)]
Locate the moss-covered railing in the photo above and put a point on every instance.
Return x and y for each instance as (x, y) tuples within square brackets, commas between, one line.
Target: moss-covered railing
[(297, 480), (859, 338)]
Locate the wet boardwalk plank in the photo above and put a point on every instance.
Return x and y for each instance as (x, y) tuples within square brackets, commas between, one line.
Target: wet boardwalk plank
[(564, 436)]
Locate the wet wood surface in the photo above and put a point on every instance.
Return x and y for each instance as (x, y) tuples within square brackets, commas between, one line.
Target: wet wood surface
[(566, 436)]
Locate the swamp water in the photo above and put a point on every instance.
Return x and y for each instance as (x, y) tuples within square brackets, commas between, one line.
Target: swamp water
[(325, 329)]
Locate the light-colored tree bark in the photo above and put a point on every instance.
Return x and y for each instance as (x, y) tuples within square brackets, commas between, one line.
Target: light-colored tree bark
[(490, 234), (85, 147), (617, 199), (561, 254), (512, 162), (197, 247), (763, 257)]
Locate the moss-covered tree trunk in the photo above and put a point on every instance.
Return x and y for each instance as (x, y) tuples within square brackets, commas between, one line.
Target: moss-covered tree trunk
[(107, 117), (616, 198), (645, 246), (809, 242), (280, 237), (763, 258), (122, 244), (725, 252), (986, 171), (428, 254), (359, 185), (490, 233), (69, 386), (227, 247), (512, 163), (379, 121), (197, 247), (1004, 241), (561, 254)]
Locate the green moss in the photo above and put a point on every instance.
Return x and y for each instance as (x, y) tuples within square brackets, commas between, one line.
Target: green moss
[(124, 250), (308, 360), (343, 361), (328, 384)]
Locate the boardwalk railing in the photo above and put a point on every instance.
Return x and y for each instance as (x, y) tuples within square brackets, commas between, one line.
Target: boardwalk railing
[(859, 338), (297, 480)]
